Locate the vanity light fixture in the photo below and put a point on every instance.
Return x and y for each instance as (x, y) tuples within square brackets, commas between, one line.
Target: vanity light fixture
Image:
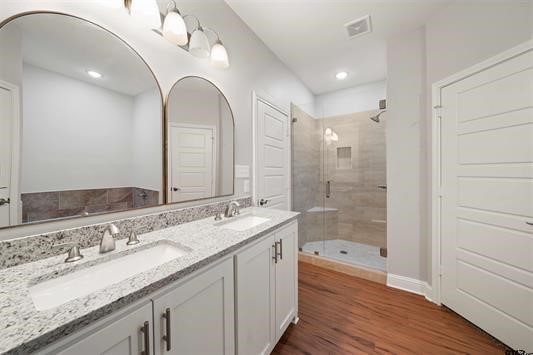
[(174, 28), (341, 75), (199, 44), (94, 74), (219, 54), (195, 42), (145, 11)]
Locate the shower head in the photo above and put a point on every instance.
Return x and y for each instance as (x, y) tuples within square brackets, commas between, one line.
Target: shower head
[(376, 117)]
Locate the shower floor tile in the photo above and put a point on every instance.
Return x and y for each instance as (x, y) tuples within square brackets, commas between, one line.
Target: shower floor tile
[(348, 252)]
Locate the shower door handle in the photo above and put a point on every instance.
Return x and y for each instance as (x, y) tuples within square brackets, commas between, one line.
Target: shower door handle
[(328, 188)]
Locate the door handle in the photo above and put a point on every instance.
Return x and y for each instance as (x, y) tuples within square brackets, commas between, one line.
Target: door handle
[(3, 201), (167, 338), (145, 329), (275, 257), (281, 249), (263, 202), (176, 189), (328, 188), (529, 223)]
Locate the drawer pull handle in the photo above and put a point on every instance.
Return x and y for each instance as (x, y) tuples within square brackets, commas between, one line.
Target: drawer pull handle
[(281, 249), (529, 223), (146, 331), (167, 338)]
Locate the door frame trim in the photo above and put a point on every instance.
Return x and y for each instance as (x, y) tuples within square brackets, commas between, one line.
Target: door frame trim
[(264, 98), (14, 180), (214, 152), (434, 293)]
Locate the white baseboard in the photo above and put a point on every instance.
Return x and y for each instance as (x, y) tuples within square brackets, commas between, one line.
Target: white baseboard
[(407, 284)]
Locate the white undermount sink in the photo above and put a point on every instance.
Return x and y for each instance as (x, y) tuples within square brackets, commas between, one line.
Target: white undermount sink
[(244, 222), (55, 292)]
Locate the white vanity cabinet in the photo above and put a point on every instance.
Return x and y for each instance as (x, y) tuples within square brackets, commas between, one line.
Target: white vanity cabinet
[(128, 334), (197, 317), (266, 290), (241, 304)]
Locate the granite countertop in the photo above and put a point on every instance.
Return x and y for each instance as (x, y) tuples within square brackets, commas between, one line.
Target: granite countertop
[(25, 329)]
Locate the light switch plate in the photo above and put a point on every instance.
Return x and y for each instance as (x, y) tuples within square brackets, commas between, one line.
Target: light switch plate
[(242, 171)]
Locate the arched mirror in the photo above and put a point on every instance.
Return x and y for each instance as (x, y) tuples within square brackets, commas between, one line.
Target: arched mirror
[(200, 133), (85, 136)]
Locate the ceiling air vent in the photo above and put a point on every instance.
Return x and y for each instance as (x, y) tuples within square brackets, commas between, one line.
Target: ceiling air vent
[(358, 27)]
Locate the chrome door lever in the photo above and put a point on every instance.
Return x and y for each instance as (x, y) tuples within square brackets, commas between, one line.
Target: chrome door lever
[(3, 201)]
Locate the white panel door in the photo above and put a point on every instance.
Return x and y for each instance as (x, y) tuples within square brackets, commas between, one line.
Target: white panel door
[(256, 298), (272, 153), (124, 336), (201, 315), (6, 114), (487, 200), (191, 163), (286, 277)]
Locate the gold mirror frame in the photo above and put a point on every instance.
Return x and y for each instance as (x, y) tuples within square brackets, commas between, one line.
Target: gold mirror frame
[(165, 129), (163, 116)]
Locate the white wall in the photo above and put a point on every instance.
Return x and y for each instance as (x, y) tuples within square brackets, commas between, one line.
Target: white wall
[(146, 141), (406, 104), (357, 99), (458, 36), (253, 67), (74, 135)]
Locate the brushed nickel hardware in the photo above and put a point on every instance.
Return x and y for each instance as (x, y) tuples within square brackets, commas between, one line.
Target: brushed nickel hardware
[(3, 201), (145, 329), (383, 187), (3, 187), (280, 249), (263, 202), (133, 239), (168, 337), (175, 189), (275, 257), (73, 253), (107, 243), (218, 216), (529, 223), (232, 209), (328, 188)]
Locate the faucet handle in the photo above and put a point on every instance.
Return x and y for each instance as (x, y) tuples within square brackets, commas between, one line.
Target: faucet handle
[(218, 216), (133, 239), (73, 254)]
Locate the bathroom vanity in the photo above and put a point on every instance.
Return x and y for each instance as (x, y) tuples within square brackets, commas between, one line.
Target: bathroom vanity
[(204, 287)]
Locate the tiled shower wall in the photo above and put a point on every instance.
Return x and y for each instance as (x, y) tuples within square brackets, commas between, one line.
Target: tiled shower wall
[(39, 206), (356, 208)]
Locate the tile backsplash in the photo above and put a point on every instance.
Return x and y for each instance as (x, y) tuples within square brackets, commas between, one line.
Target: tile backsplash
[(39, 206), (31, 248)]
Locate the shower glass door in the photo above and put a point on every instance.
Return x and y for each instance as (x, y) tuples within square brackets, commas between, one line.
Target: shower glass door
[(339, 185)]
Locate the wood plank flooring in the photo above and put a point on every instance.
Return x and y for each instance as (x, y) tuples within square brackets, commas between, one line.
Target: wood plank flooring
[(342, 314)]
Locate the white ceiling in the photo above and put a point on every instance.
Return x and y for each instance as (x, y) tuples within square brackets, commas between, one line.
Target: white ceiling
[(310, 38), (70, 46)]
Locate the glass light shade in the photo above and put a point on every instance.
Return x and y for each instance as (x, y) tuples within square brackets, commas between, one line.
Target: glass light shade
[(219, 56), (199, 44), (174, 29), (146, 12)]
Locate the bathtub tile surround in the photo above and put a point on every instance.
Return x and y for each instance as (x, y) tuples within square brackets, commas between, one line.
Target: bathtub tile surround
[(32, 248), (25, 329)]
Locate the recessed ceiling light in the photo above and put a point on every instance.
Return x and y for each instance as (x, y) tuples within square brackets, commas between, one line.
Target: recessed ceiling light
[(341, 75), (94, 74)]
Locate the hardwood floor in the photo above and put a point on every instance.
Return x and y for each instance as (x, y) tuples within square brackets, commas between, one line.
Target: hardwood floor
[(342, 314)]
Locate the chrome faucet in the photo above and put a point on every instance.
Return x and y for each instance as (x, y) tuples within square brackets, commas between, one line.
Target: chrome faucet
[(232, 209), (107, 243)]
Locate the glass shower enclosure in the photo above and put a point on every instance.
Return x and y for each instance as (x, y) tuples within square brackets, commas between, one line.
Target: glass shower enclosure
[(339, 185)]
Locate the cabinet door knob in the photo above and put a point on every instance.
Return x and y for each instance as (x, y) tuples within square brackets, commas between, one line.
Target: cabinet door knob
[(146, 331), (168, 337)]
